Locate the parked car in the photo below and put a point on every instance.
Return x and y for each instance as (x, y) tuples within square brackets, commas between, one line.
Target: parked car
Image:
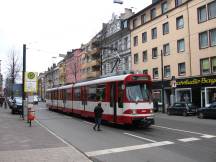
[(35, 99), (209, 111), (10, 102), (17, 105), (182, 108)]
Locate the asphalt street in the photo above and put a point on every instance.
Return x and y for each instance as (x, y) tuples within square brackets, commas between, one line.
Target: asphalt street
[(171, 139)]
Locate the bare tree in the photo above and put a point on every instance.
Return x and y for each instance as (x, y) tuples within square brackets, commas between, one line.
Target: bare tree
[(13, 69)]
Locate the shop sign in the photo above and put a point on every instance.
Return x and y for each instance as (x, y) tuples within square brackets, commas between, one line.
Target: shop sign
[(198, 81)]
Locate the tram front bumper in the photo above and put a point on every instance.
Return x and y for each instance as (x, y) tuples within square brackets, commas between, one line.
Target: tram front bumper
[(144, 121)]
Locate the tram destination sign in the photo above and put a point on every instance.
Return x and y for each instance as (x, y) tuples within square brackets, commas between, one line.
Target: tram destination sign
[(140, 78)]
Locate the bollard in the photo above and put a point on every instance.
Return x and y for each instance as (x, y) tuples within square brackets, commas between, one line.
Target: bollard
[(30, 115)]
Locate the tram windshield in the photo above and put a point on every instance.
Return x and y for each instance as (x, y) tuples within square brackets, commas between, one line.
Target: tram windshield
[(137, 92)]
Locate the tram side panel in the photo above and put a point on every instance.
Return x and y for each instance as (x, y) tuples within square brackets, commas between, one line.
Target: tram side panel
[(77, 108), (68, 104)]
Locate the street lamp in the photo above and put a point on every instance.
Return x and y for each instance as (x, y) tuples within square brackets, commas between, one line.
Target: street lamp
[(173, 86), (118, 1), (162, 82), (23, 78)]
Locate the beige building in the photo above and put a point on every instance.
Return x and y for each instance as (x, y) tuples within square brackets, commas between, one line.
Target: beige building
[(91, 61), (177, 38)]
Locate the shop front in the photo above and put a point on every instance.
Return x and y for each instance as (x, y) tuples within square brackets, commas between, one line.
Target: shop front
[(201, 91)]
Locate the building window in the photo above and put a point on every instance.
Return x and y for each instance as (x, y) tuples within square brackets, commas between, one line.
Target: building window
[(202, 15), (145, 57), (181, 69), (213, 64), (212, 10), (205, 66), (136, 58), (155, 73), (166, 49), (179, 22), (178, 2), (126, 43), (144, 37), (212, 35), (145, 71), (154, 53), (126, 64), (164, 7), (153, 13), (136, 41), (154, 33), (180, 45), (134, 23), (167, 72), (165, 28), (203, 39), (143, 18)]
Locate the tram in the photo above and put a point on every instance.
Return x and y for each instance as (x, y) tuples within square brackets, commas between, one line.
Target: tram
[(125, 99)]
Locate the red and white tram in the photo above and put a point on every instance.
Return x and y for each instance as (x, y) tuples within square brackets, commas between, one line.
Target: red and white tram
[(125, 99)]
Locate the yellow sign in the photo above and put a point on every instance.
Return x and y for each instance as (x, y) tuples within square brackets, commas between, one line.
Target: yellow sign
[(31, 82), (197, 81)]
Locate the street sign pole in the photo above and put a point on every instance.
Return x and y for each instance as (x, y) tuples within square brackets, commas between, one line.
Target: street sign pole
[(23, 79)]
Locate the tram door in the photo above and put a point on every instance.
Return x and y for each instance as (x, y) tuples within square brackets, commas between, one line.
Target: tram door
[(113, 100)]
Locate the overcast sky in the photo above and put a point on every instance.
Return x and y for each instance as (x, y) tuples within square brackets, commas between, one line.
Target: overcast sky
[(50, 27)]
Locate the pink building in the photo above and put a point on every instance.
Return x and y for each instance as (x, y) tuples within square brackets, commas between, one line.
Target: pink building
[(73, 66)]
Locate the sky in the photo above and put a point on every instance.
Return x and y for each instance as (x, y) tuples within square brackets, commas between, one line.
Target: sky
[(53, 27)]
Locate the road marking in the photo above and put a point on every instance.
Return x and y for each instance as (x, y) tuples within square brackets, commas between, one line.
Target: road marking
[(128, 148), (207, 136), (89, 122), (189, 139), (140, 137), (61, 139), (180, 130)]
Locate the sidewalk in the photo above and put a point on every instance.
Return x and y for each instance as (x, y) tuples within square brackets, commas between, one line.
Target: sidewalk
[(21, 143)]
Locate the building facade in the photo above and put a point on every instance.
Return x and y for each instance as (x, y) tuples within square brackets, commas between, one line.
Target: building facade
[(42, 86), (176, 40), (62, 72), (91, 61), (115, 38), (73, 66)]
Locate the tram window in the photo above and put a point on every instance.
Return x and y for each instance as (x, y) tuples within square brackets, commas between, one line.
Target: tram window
[(77, 94), (92, 93), (100, 92), (68, 94), (120, 94)]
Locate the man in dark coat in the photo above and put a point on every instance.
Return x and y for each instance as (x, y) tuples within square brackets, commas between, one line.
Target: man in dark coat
[(98, 111)]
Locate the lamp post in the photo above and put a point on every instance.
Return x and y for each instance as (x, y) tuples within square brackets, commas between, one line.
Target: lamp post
[(173, 86), (162, 82), (23, 79)]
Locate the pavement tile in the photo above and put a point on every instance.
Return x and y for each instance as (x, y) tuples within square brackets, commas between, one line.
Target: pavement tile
[(21, 143)]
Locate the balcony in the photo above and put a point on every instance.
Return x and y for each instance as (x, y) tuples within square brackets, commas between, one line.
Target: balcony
[(92, 74), (90, 64), (93, 51)]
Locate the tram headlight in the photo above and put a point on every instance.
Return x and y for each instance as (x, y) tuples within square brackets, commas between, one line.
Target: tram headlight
[(151, 111)]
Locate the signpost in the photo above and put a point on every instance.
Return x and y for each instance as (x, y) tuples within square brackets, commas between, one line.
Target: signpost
[(31, 79)]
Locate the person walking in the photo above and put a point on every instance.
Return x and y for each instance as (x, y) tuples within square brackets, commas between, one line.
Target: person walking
[(5, 103), (98, 111)]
